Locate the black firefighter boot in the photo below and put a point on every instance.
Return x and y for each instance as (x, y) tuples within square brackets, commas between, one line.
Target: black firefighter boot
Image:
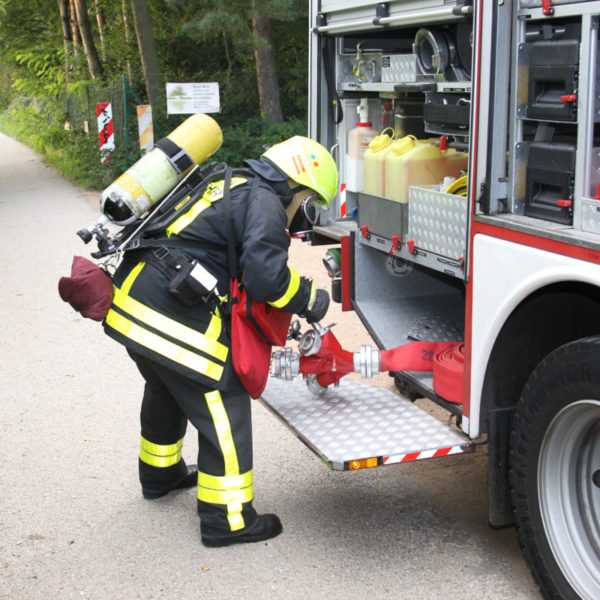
[(189, 480), (264, 528)]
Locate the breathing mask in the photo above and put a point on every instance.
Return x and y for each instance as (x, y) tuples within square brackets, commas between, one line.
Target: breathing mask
[(304, 217)]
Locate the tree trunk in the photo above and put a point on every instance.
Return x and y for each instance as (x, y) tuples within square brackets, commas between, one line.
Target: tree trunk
[(227, 58), (91, 54), (100, 21), (75, 35), (266, 73), (126, 29), (63, 8), (148, 55)]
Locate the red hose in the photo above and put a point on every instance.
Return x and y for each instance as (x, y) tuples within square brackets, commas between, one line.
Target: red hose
[(445, 359), (448, 373)]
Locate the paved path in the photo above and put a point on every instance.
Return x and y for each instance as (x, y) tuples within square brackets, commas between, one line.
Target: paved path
[(73, 523)]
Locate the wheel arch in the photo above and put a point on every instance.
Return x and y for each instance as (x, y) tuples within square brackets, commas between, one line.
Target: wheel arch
[(551, 316)]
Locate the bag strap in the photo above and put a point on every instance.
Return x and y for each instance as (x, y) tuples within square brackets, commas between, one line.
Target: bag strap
[(229, 224), (141, 244), (228, 221)]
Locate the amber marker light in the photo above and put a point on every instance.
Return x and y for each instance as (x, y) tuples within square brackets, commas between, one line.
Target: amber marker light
[(363, 463)]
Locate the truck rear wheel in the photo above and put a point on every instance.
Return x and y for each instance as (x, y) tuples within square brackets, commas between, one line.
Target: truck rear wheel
[(555, 471)]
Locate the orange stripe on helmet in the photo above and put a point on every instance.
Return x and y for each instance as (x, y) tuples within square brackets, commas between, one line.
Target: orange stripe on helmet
[(298, 163)]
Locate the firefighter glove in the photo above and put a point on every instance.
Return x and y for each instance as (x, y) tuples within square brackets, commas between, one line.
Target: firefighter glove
[(317, 307)]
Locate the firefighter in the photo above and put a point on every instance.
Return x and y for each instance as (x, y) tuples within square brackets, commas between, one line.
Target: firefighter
[(183, 351)]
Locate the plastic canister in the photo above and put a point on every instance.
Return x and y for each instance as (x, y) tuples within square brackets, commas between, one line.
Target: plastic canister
[(456, 162), (416, 162), (359, 139), (374, 163), (358, 143)]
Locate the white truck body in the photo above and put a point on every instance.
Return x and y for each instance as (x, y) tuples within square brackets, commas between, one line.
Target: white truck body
[(510, 267)]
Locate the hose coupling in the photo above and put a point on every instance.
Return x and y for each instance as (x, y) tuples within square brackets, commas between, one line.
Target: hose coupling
[(367, 361), (285, 364)]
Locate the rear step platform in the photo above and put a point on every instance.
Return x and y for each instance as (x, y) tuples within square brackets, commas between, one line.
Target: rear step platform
[(359, 425)]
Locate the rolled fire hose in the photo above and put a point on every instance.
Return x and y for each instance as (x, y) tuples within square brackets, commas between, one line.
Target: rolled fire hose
[(448, 372), (444, 359)]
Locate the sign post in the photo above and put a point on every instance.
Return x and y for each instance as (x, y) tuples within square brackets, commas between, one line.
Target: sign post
[(145, 128), (106, 135)]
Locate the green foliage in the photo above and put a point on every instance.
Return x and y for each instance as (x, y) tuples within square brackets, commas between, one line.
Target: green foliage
[(291, 40), (87, 167), (41, 87), (247, 139), (34, 123), (28, 47), (45, 72)]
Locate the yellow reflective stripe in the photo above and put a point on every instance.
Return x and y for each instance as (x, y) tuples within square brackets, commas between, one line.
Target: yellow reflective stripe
[(223, 429), (183, 221), (236, 521), (213, 192), (159, 449), (205, 342), (158, 455), (292, 290), (131, 278), (214, 328), (313, 295), (163, 347), (227, 497), (232, 498), (224, 483)]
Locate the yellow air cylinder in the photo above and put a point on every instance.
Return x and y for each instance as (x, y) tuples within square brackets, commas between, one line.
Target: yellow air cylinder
[(374, 163), (150, 179)]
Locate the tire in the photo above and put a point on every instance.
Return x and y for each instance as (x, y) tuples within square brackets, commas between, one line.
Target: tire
[(555, 471), (406, 390)]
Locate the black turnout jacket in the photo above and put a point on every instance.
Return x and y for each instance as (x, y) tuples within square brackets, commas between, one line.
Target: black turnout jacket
[(194, 340)]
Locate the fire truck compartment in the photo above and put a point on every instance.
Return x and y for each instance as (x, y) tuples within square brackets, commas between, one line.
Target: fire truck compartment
[(403, 305), (358, 424)]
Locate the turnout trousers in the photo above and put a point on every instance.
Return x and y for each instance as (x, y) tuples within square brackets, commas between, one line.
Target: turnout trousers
[(223, 422)]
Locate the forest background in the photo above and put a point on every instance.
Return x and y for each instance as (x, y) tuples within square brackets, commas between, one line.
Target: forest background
[(59, 57)]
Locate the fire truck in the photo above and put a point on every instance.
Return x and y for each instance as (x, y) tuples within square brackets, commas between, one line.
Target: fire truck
[(465, 235)]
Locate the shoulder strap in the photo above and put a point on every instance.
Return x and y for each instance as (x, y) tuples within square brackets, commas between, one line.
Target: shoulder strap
[(158, 219), (140, 244), (231, 242), (228, 223)]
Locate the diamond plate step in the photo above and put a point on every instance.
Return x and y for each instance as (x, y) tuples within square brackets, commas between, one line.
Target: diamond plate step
[(358, 421)]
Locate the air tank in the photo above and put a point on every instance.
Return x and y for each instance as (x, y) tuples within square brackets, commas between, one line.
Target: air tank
[(149, 180)]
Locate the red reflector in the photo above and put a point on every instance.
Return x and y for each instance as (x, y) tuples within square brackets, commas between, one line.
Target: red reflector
[(565, 203), (569, 98)]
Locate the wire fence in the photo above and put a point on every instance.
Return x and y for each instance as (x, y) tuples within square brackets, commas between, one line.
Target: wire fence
[(80, 107)]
